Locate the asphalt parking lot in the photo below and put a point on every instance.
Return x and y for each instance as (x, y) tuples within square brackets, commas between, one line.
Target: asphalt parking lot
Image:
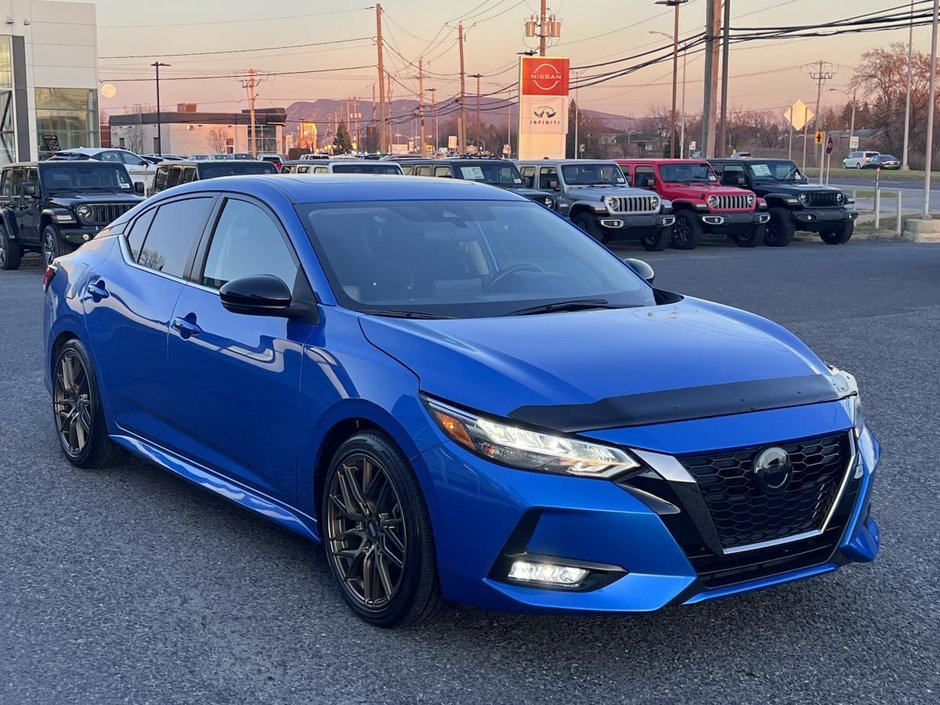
[(130, 586)]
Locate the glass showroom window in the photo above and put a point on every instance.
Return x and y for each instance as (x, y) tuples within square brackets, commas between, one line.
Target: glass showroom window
[(7, 129), (66, 118)]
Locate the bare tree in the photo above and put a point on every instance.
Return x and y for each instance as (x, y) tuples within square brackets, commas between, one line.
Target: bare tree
[(217, 139), (134, 140)]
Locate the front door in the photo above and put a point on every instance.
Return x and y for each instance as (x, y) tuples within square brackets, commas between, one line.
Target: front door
[(234, 378)]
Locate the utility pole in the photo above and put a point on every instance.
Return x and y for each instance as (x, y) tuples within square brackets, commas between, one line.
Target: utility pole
[(685, 65), (725, 50), (437, 143), (388, 127), (462, 126), (712, 28), (910, 81), (156, 65), (421, 101), (542, 35), (477, 76), (577, 109), (249, 84), (379, 43), (823, 72), (931, 105)]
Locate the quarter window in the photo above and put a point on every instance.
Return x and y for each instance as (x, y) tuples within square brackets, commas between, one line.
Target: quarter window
[(443, 171), (174, 231), (247, 242), (138, 231)]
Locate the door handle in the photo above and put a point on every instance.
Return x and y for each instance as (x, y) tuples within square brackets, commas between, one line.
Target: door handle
[(185, 328), (97, 290)]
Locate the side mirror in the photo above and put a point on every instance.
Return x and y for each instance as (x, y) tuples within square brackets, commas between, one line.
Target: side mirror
[(641, 268), (262, 295), (28, 188), (139, 188)]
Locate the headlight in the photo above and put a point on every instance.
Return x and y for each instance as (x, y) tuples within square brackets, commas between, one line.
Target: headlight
[(548, 202), (84, 214), (840, 197), (712, 201), (612, 202), (804, 198), (847, 384), (527, 449), (750, 201), (655, 203)]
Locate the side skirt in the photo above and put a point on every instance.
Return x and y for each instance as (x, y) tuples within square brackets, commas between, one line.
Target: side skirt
[(251, 500)]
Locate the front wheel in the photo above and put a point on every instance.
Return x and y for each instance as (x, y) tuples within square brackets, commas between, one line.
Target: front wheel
[(687, 231), (377, 534), (751, 238), (54, 245), (10, 251), (657, 241), (781, 228), (840, 235), (588, 223)]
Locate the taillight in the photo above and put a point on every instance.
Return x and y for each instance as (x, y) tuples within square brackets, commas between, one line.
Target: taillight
[(49, 275)]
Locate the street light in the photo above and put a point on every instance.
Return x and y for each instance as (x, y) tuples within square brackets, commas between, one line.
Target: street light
[(931, 105), (907, 99), (675, 69), (156, 65), (850, 96), (685, 65)]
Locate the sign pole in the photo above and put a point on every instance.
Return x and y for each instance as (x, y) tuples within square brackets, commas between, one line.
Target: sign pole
[(790, 128)]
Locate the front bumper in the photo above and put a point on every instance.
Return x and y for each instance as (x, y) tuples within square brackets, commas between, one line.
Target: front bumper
[(78, 234), (814, 219), (626, 225), (489, 512), (724, 223)]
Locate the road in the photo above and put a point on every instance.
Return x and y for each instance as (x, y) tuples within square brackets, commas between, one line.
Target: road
[(130, 586)]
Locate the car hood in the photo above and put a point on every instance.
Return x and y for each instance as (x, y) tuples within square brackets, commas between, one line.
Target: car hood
[(500, 365), (796, 189), (528, 192), (701, 191), (67, 201), (598, 192)]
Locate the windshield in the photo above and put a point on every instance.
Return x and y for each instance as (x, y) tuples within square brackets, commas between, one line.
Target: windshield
[(370, 168), (228, 167), (775, 171), (593, 175), (463, 259), (496, 173), (687, 173), (84, 176)]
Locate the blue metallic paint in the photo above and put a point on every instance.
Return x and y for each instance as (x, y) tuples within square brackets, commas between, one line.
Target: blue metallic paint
[(244, 410)]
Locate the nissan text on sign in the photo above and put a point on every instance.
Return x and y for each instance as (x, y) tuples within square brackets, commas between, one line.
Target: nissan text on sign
[(543, 107)]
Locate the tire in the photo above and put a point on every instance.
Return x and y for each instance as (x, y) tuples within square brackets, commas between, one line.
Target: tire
[(687, 231), (54, 245), (781, 228), (10, 251), (658, 241), (750, 239), (840, 235), (78, 410), (588, 223), (360, 539)]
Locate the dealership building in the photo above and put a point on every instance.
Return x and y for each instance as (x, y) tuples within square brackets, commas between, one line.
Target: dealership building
[(48, 78), (185, 131)]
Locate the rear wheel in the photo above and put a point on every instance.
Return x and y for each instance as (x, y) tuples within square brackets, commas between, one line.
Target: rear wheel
[(10, 251), (658, 241), (588, 223), (79, 414), (840, 235), (377, 534), (687, 231), (54, 245), (752, 238), (781, 229)]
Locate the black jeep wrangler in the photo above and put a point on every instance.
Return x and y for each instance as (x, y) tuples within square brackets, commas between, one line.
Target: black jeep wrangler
[(53, 207), (486, 170), (794, 203)]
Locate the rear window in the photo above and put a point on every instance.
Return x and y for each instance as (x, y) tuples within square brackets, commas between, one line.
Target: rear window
[(215, 169)]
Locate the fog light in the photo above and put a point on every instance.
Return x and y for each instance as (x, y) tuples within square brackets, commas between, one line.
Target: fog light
[(86, 237), (528, 572)]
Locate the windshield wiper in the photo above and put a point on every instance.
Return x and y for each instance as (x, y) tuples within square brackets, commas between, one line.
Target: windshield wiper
[(396, 313), (573, 305)]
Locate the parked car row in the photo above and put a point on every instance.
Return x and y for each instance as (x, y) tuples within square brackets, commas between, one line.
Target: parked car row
[(871, 160)]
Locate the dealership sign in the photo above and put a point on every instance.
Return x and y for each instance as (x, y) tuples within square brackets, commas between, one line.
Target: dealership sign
[(543, 106)]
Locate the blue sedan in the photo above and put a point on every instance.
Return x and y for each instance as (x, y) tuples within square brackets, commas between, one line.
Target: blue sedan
[(459, 394)]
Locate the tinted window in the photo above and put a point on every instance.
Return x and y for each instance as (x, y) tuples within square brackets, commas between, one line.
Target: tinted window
[(85, 176), (359, 168), (643, 177), (211, 170), (173, 176), (587, 174), (247, 242), (547, 175), (503, 173), (189, 174), (131, 159), (138, 232), (172, 235), (109, 157), (159, 179)]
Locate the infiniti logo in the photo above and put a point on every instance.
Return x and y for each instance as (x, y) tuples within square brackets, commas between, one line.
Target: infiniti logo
[(544, 111), (772, 470)]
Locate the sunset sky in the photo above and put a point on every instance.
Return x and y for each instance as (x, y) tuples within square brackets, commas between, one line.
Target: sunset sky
[(765, 75)]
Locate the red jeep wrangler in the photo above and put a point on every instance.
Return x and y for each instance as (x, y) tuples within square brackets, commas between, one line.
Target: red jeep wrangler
[(701, 204)]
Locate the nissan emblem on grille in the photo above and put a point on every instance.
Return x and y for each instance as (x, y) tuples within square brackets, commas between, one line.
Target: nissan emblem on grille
[(772, 470)]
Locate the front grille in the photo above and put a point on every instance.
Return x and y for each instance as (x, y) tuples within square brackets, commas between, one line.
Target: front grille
[(744, 513), (734, 203), (105, 213), (637, 204), (824, 199)]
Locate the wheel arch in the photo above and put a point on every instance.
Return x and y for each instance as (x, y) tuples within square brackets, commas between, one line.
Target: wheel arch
[(8, 221), (578, 208)]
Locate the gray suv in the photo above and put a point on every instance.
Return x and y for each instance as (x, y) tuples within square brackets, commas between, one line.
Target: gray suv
[(598, 199)]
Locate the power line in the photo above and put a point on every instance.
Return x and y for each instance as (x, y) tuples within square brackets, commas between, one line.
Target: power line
[(240, 51), (218, 22)]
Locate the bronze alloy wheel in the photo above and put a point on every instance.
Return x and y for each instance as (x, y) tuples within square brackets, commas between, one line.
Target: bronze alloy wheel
[(366, 535), (72, 403)]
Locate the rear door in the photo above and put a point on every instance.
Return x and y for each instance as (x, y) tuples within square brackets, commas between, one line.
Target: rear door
[(128, 300), (235, 379)]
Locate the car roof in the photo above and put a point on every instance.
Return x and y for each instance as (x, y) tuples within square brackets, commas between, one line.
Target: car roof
[(566, 161), (353, 188)]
